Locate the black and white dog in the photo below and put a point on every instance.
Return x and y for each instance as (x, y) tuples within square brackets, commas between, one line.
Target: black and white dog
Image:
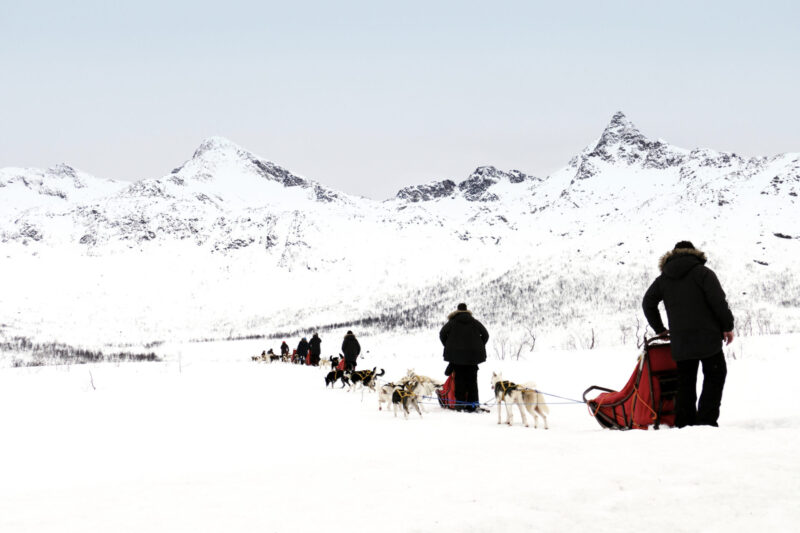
[(525, 396), (335, 375), (330, 364), (367, 378)]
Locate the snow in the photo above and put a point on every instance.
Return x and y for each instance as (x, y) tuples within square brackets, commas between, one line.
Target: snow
[(210, 441)]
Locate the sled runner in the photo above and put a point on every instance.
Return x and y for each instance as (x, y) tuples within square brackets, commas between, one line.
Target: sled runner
[(649, 396)]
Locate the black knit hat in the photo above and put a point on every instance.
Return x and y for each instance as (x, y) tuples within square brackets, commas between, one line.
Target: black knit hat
[(684, 244), (349, 332), (462, 307)]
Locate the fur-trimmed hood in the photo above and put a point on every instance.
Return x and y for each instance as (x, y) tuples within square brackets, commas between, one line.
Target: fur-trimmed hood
[(680, 251), (452, 315), (678, 262)]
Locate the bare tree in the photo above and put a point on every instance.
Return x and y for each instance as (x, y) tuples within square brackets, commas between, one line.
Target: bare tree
[(516, 353), (623, 329), (500, 345), (641, 334), (530, 337)]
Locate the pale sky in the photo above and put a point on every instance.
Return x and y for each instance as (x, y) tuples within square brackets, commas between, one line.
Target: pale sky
[(371, 96)]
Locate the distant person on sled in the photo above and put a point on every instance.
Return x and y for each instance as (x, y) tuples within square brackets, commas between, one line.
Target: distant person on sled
[(699, 320), (464, 340), (351, 349), (316, 349), (284, 348)]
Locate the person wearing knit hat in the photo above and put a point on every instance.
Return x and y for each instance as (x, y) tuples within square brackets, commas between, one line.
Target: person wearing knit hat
[(699, 321), (464, 339)]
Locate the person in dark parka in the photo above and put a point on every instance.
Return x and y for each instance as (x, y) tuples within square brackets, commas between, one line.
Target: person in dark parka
[(302, 351), (316, 350), (284, 348), (464, 340), (351, 350), (699, 320)]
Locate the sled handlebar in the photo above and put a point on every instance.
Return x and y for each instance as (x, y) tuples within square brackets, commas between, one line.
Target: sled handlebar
[(662, 337), (594, 388)]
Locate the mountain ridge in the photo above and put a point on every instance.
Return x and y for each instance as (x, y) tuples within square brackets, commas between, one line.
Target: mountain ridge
[(238, 229)]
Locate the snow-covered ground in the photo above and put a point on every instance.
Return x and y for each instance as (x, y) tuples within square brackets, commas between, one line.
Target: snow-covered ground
[(209, 441)]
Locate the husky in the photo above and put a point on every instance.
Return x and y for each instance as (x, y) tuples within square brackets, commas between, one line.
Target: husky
[(525, 396), (330, 364), (367, 378), (411, 375), (335, 375), (405, 396), (385, 393)]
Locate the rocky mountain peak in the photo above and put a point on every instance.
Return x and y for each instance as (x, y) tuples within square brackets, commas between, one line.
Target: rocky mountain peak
[(475, 188), (620, 130), (218, 146), (62, 170), (621, 141), (427, 192)]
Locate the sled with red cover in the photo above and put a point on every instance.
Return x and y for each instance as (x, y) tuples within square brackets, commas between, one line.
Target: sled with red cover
[(647, 399), (447, 393), (341, 364)]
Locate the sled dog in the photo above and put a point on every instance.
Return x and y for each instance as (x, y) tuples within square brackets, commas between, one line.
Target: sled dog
[(335, 375), (525, 396), (405, 396), (367, 378), (329, 364), (385, 393), (411, 375)]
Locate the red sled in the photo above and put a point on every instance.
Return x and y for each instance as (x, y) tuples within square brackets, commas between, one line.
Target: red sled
[(308, 358), (648, 399), (447, 393), (340, 366)]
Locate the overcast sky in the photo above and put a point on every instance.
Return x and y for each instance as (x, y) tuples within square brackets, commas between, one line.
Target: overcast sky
[(368, 97)]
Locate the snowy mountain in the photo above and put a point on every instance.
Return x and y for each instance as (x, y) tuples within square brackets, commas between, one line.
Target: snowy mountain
[(232, 244)]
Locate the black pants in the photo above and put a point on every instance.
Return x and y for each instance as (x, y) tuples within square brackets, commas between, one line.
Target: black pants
[(706, 412), (466, 385), (350, 365)]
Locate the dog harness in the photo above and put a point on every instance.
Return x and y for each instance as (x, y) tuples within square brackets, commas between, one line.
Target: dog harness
[(505, 386)]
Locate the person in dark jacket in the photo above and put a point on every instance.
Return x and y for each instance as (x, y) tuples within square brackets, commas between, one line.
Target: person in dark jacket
[(284, 348), (316, 350), (302, 351), (699, 321), (464, 340), (351, 350)]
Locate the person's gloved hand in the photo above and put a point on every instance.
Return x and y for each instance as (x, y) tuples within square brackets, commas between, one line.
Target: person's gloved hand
[(727, 337)]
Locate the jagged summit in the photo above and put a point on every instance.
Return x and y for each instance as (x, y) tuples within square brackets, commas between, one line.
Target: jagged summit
[(620, 130), (62, 169), (622, 142), (475, 188), (217, 141), (218, 145), (221, 161)]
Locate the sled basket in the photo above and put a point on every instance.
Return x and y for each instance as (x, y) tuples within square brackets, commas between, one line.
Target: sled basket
[(447, 393), (647, 399)]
